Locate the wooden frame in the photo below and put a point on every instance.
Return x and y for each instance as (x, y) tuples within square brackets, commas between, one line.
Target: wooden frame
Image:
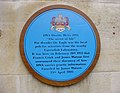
[(42, 79)]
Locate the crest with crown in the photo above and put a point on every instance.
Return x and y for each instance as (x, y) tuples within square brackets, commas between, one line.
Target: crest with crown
[(60, 23)]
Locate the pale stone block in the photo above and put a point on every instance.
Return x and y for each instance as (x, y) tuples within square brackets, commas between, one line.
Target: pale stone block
[(102, 82), (105, 17), (99, 83), (108, 1), (31, 85), (7, 13), (108, 61), (115, 82), (9, 84), (26, 9), (98, 1), (30, 0), (7, 47), (10, 60), (18, 11)]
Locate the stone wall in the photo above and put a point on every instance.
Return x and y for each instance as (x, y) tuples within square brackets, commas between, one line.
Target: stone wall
[(14, 77)]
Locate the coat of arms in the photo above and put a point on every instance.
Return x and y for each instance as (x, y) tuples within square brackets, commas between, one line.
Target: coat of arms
[(60, 23)]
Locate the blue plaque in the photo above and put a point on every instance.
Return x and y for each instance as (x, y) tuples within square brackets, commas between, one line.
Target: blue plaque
[(59, 45)]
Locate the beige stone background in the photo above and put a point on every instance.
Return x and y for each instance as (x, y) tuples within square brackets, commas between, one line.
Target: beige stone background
[(14, 77)]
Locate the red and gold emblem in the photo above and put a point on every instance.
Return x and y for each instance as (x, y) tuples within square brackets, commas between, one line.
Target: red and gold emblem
[(60, 23)]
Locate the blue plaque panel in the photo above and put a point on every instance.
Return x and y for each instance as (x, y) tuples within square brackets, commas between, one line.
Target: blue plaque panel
[(60, 45)]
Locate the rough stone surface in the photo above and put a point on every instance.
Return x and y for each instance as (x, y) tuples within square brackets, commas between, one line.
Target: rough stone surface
[(115, 82), (9, 84), (99, 83), (14, 77)]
